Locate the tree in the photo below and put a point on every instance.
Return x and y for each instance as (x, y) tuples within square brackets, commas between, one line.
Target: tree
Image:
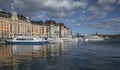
[(78, 35)]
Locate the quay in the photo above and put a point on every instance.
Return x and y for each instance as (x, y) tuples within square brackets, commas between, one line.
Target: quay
[(2, 41)]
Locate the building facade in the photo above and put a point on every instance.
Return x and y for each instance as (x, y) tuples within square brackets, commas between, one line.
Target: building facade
[(39, 29), (12, 24), (64, 31), (53, 29)]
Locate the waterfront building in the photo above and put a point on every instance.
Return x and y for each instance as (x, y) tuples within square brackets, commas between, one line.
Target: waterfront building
[(38, 29), (53, 29), (5, 24), (64, 31), (12, 24), (69, 33)]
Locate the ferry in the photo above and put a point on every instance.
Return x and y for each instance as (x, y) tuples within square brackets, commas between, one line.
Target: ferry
[(29, 40), (94, 38)]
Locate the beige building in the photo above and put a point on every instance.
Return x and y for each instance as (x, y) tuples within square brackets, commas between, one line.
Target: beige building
[(53, 29), (12, 24), (64, 31), (39, 29)]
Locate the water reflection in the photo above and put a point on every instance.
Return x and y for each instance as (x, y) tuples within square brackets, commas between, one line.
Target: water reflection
[(104, 55), (28, 57)]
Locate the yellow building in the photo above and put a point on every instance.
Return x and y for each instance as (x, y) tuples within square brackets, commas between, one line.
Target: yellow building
[(39, 29), (12, 24), (5, 27)]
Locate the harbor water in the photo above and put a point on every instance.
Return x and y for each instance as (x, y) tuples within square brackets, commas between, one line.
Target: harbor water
[(100, 55)]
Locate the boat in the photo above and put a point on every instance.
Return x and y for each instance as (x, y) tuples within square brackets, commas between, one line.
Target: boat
[(45, 40), (29, 40), (67, 39), (94, 38), (52, 40)]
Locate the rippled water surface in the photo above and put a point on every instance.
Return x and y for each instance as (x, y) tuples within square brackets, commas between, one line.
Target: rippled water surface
[(104, 55)]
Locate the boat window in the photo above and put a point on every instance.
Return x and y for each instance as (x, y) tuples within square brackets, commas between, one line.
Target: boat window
[(20, 39), (29, 39), (24, 39)]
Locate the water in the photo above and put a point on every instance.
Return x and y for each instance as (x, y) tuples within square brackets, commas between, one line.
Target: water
[(104, 55)]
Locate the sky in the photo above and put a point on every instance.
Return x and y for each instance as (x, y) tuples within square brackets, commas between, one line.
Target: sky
[(83, 16)]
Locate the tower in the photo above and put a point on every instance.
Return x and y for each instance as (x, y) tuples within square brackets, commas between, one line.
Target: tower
[(14, 14)]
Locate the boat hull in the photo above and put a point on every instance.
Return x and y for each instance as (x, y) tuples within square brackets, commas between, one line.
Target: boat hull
[(46, 42), (25, 43)]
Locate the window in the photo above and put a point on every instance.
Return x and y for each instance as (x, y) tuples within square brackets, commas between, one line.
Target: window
[(20, 39), (24, 39)]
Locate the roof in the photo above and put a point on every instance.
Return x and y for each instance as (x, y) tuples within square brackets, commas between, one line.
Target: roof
[(37, 22), (62, 25), (49, 22), (21, 17), (5, 14)]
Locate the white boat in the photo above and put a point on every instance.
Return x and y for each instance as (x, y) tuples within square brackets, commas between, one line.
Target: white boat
[(52, 40), (45, 40), (94, 38), (25, 40), (67, 39), (75, 39)]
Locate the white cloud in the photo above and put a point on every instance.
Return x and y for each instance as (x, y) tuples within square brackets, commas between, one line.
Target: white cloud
[(54, 8), (102, 8), (108, 24), (113, 23), (119, 2), (83, 17), (77, 24), (70, 21), (73, 22)]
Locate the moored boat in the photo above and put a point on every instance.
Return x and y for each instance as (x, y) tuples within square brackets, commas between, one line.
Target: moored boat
[(94, 38), (52, 40), (45, 40), (67, 39), (29, 40)]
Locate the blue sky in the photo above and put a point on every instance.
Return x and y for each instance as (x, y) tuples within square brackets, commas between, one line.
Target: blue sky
[(83, 16)]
